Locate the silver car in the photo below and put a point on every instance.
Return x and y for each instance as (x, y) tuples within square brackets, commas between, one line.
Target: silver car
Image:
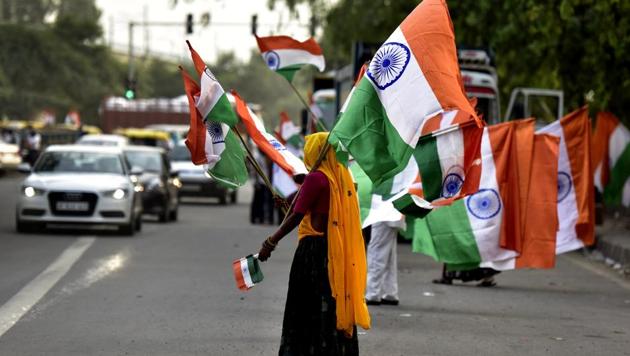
[(73, 184)]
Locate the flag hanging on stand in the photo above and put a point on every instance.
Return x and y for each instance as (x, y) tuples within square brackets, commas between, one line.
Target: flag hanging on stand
[(540, 216), (576, 197), (285, 55), (266, 142), (210, 140), (611, 155), (469, 230), (247, 272), (413, 77)]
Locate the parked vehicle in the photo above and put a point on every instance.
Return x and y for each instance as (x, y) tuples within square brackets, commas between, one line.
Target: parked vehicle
[(103, 140), (9, 156), (73, 184), (161, 187), (194, 179)]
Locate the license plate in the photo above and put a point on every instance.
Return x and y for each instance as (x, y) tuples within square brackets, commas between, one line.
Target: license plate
[(72, 206), (191, 188)]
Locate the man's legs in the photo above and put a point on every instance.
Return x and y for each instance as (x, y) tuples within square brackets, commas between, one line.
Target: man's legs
[(378, 255)]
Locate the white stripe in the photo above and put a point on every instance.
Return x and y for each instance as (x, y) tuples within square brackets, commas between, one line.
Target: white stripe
[(246, 276), (619, 140), (345, 103), (447, 119), (504, 265), (410, 99), (290, 57), (450, 149), (211, 92), (404, 179), (214, 150), (566, 237), (598, 177), (13, 310), (283, 182), (488, 231)]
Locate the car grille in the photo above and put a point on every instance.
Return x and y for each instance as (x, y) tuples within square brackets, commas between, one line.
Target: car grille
[(72, 197)]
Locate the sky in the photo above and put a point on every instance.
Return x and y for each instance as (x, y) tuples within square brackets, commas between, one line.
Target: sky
[(169, 41)]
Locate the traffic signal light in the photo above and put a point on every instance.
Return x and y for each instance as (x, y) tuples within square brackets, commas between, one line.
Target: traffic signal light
[(130, 89), (189, 24), (254, 24)]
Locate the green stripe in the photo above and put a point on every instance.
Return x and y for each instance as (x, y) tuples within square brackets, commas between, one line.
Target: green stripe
[(230, 171), (408, 207), (619, 174), (364, 190), (289, 72), (367, 133), (255, 273), (222, 112), (428, 159), (421, 241), (452, 234)]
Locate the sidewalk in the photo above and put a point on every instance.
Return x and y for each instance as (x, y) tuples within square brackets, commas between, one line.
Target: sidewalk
[(613, 241)]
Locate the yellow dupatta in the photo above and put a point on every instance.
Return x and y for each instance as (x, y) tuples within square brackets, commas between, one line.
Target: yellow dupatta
[(347, 265)]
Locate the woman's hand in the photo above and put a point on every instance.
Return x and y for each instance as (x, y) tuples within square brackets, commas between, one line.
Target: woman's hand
[(264, 253)]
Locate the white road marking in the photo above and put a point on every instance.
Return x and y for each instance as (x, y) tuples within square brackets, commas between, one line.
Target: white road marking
[(13, 310)]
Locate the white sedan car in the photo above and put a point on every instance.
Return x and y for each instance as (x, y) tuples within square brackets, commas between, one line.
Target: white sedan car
[(103, 140), (72, 184)]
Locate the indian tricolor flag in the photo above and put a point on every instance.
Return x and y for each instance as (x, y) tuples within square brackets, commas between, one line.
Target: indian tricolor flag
[(540, 217), (288, 132), (611, 154), (285, 55), (413, 77), (247, 272), (266, 142), (576, 197), (372, 207), (210, 140), (469, 230)]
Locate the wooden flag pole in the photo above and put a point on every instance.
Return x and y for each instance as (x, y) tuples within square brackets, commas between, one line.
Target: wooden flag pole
[(320, 125), (259, 170)]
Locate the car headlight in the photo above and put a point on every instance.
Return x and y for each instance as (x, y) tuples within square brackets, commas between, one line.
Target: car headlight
[(30, 192), (117, 194), (177, 182), (154, 184)]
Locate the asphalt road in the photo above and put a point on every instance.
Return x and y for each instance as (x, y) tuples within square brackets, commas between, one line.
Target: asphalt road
[(170, 291)]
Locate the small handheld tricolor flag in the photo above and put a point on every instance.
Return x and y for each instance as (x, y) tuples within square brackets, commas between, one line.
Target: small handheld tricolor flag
[(247, 272)]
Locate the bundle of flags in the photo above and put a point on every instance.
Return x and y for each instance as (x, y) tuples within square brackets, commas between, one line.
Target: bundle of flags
[(211, 140)]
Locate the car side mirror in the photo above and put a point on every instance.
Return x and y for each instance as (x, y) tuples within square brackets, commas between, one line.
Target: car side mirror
[(24, 168), (136, 171)]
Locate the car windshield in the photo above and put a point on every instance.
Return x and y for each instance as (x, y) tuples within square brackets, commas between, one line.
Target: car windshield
[(97, 142), (180, 153), (148, 161), (79, 162)]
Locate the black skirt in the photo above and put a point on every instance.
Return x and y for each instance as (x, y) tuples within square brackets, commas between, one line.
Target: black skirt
[(309, 326)]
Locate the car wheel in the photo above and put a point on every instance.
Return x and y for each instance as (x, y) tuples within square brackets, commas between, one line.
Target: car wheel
[(233, 197), (164, 214), (139, 223), (128, 229), (23, 227), (173, 214)]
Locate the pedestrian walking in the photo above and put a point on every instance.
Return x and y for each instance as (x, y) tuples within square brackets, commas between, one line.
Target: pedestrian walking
[(382, 277), (33, 145), (325, 299)]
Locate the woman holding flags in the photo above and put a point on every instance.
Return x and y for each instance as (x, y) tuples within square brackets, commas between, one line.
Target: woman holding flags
[(325, 299)]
